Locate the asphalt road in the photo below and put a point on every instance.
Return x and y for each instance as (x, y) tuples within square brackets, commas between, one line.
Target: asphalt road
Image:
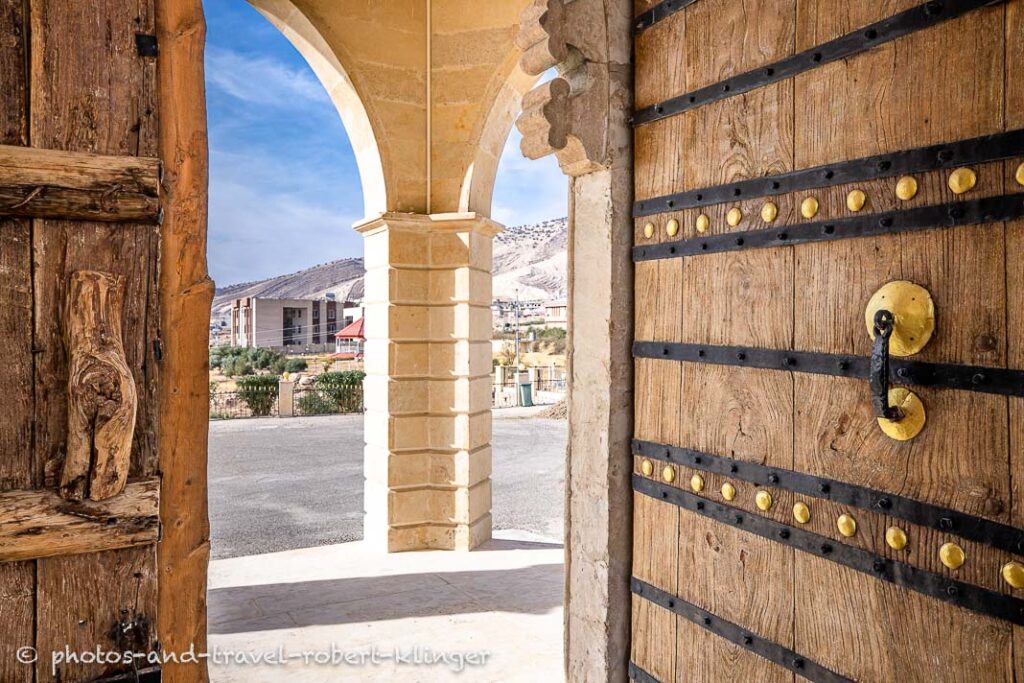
[(285, 483)]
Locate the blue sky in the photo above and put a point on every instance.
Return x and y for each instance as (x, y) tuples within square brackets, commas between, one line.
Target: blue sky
[(284, 186)]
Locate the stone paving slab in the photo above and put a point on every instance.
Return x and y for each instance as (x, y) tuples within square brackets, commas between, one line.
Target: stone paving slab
[(416, 614)]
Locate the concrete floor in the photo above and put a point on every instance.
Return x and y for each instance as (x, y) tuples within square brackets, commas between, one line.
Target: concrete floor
[(338, 612), (286, 483), (402, 617)]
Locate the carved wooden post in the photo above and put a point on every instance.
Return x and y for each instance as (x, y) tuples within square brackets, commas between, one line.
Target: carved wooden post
[(102, 399)]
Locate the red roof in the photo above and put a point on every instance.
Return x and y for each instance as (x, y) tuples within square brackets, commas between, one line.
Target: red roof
[(352, 331)]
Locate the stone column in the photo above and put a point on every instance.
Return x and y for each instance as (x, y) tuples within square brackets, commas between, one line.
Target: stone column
[(427, 459)]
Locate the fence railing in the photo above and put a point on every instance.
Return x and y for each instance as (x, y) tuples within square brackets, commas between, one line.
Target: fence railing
[(287, 400), (225, 405), (328, 400)]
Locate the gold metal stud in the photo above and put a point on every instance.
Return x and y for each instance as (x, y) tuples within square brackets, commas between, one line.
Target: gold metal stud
[(896, 538), (703, 223), (668, 474), (764, 501), (847, 525), (809, 207), (906, 187), (697, 483), (855, 200), (734, 216), (672, 227), (952, 555), (647, 467), (912, 422), (802, 513), (962, 180), (1013, 574), (1019, 175), (728, 491), (914, 313), (769, 212), (649, 230)]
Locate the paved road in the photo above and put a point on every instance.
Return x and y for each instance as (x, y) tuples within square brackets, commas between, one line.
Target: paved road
[(280, 484)]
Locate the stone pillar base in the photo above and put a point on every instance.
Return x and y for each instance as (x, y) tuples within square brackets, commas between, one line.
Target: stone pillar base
[(427, 460)]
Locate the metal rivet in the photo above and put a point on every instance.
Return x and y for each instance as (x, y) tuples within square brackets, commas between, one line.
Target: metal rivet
[(783, 534), (1013, 574), (855, 200), (962, 180), (847, 525), (884, 503), (734, 468), (703, 223), (734, 216), (748, 640), (769, 212), (809, 207), (878, 566), (707, 621), (1019, 174), (906, 187), (728, 491), (896, 538), (672, 227), (741, 356), (649, 230), (952, 555), (668, 474), (824, 488), (764, 501), (739, 519), (773, 478), (802, 513), (647, 467), (700, 504), (697, 483), (826, 548)]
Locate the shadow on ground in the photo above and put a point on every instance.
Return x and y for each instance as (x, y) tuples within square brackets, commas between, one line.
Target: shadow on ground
[(534, 588)]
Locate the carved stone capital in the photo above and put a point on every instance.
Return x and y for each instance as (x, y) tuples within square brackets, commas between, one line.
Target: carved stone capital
[(570, 115)]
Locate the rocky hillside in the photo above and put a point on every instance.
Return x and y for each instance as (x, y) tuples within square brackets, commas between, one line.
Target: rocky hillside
[(528, 257)]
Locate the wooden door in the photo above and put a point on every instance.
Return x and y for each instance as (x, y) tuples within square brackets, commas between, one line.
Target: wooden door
[(80, 340), (793, 157)]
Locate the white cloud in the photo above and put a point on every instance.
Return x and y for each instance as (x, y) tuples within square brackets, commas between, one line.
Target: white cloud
[(527, 190), (261, 80)]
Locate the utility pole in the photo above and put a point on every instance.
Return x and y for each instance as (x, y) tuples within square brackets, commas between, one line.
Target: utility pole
[(516, 371)]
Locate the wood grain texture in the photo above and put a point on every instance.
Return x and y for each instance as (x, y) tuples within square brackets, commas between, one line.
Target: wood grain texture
[(102, 400), (39, 523), (186, 293), (17, 579), (932, 86), (654, 561), (56, 184), (84, 601)]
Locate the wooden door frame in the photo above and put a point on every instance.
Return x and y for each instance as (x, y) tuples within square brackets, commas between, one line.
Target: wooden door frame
[(186, 295)]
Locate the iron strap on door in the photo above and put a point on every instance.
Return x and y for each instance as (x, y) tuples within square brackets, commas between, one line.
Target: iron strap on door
[(970, 527), (734, 633), (942, 375), (959, 593), (980, 150), (663, 10), (951, 215), (873, 35)]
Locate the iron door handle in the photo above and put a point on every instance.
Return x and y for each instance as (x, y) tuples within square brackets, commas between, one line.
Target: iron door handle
[(879, 378)]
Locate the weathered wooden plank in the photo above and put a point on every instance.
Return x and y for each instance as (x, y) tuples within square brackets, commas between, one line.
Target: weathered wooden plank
[(39, 523), (17, 579), (185, 296), (44, 183), (92, 92), (100, 600)]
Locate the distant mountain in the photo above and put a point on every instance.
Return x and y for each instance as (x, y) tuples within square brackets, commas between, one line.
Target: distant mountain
[(530, 258)]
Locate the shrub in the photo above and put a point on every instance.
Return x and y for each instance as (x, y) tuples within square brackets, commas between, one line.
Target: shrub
[(295, 365), (258, 392), (316, 403), (344, 389)]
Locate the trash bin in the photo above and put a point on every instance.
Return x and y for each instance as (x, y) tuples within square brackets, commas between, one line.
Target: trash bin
[(526, 394)]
